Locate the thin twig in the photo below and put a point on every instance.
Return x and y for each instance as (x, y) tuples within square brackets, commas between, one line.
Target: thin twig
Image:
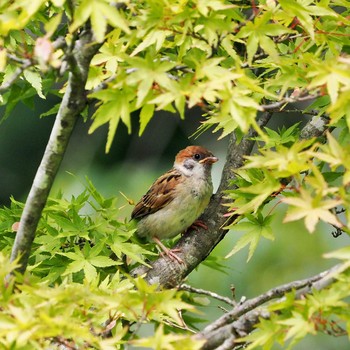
[(103, 85), (295, 110), (286, 100), (16, 59), (25, 64), (213, 295)]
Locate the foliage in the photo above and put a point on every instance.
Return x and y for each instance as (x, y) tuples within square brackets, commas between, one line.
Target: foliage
[(76, 237), (293, 318), (234, 59), (73, 293)]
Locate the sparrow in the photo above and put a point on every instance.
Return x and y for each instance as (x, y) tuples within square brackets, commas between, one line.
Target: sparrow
[(176, 199)]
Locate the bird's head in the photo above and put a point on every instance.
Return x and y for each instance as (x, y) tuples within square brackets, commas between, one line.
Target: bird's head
[(194, 159)]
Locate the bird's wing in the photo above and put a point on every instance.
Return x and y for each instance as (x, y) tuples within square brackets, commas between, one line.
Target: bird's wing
[(159, 195)]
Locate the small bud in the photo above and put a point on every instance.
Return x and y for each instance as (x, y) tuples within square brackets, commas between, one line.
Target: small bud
[(15, 226)]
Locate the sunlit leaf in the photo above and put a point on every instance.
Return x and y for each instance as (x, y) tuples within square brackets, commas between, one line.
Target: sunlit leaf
[(146, 114), (312, 209), (342, 253), (34, 79), (257, 227)]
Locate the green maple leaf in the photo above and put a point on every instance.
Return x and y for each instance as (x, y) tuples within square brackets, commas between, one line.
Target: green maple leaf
[(312, 209), (256, 228)]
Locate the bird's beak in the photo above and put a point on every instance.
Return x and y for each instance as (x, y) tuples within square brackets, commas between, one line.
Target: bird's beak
[(209, 160)]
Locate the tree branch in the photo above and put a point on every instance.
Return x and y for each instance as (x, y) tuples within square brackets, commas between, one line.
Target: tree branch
[(24, 65), (286, 100), (316, 126), (73, 103), (240, 321)]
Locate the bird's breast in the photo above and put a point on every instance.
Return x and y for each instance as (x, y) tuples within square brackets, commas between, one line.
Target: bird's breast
[(190, 199)]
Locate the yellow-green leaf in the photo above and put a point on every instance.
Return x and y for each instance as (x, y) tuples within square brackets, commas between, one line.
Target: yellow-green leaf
[(146, 114), (34, 79)]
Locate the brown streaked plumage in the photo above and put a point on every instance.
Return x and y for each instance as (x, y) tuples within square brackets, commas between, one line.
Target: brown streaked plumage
[(159, 195)]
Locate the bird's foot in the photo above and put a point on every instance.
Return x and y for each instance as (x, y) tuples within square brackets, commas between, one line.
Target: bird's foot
[(197, 225), (171, 253)]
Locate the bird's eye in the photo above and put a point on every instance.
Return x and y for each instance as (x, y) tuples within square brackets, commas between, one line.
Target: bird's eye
[(197, 156)]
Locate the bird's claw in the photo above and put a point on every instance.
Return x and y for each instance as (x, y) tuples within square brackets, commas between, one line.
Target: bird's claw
[(172, 255)]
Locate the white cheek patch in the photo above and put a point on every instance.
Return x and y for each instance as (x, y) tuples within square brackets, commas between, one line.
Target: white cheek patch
[(184, 170), (189, 164)]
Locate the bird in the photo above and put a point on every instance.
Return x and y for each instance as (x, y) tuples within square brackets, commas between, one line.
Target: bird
[(176, 199)]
